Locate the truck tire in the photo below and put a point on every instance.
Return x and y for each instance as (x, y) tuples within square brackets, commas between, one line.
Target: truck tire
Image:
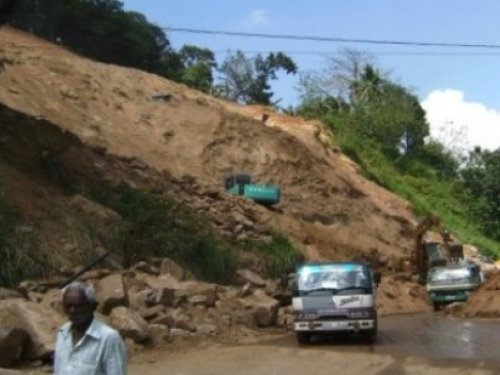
[(436, 306), (303, 337)]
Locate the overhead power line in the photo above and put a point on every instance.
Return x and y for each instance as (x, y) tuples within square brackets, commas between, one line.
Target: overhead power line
[(305, 52), (379, 53), (329, 39)]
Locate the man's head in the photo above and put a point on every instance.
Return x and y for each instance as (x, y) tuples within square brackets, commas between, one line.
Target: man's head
[(79, 302)]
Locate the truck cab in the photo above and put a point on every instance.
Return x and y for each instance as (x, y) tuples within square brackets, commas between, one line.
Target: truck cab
[(330, 297), (242, 184), (453, 283)]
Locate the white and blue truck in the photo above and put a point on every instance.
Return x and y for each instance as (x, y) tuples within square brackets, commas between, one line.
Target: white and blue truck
[(334, 297)]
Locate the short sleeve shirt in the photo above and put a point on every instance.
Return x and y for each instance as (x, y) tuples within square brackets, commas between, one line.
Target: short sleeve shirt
[(101, 351)]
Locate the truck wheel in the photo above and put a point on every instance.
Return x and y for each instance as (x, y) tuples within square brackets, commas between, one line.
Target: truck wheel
[(303, 338), (436, 306)]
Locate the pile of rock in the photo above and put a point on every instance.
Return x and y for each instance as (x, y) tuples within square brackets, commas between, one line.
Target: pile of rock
[(150, 304)]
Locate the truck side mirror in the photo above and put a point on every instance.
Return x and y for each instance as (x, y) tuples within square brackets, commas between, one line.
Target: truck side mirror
[(284, 280), (376, 278)]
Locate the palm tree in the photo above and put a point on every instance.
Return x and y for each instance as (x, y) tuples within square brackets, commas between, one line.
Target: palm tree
[(368, 87)]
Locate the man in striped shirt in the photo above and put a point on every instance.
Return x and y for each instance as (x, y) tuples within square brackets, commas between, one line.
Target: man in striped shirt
[(85, 345)]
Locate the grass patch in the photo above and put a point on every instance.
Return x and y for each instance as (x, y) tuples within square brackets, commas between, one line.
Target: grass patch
[(19, 248), (8, 263), (427, 193), (279, 253), (158, 227)]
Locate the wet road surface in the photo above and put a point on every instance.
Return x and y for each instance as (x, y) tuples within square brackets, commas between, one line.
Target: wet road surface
[(434, 336), (430, 336), (407, 344)]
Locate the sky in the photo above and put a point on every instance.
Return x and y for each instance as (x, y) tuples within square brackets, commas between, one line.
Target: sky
[(457, 87)]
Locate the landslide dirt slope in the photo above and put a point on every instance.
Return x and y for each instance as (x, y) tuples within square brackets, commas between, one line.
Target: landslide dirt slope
[(328, 208), (484, 303)]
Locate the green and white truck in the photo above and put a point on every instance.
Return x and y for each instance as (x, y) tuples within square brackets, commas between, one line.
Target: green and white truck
[(453, 283)]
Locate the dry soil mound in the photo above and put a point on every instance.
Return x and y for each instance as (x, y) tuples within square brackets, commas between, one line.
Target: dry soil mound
[(485, 302), (328, 208)]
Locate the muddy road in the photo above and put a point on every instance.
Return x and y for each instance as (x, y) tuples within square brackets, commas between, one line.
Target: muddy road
[(408, 344)]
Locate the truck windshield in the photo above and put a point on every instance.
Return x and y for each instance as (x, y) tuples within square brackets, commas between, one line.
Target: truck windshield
[(449, 276), (333, 278)]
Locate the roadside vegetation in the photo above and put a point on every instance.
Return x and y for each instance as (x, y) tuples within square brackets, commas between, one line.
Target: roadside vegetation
[(158, 227), (18, 247), (279, 254), (381, 125), (7, 227)]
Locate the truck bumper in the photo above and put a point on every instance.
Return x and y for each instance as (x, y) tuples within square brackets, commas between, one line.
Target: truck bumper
[(448, 297), (335, 325)]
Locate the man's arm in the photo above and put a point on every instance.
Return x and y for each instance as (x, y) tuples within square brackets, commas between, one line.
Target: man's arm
[(57, 350), (115, 355)]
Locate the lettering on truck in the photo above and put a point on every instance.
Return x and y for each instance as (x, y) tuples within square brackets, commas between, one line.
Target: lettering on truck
[(350, 299)]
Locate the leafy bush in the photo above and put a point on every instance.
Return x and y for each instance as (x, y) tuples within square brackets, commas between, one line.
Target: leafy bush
[(158, 227), (426, 190), (279, 253), (18, 249), (7, 225)]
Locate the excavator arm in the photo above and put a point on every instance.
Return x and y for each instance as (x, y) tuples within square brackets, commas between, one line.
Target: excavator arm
[(421, 257), (453, 250)]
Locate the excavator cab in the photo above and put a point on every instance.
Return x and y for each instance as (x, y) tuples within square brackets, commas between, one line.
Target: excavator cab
[(238, 182), (429, 254)]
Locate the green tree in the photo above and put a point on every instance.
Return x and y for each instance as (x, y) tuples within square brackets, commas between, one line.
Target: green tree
[(246, 80), (337, 78), (382, 111), (197, 67), (481, 178), (101, 30), (7, 8), (321, 107)]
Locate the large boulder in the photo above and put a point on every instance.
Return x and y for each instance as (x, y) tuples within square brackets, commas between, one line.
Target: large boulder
[(263, 308), (244, 276), (112, 293), (169, 267), (176, 318), (9, 294), (13, 342), (41, 322), (130, 324), (94, 210), (53, 299)]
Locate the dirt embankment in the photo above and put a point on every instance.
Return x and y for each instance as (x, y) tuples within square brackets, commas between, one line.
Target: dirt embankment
[(484, 303), (328, 209)]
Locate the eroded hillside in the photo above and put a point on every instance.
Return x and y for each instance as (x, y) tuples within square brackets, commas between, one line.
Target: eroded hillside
[(106, 123)]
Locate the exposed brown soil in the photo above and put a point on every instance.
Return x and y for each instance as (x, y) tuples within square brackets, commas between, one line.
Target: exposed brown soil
[(328, 208), (484, 303)]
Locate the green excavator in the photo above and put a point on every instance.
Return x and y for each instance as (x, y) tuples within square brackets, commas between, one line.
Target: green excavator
[(242, 185)]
